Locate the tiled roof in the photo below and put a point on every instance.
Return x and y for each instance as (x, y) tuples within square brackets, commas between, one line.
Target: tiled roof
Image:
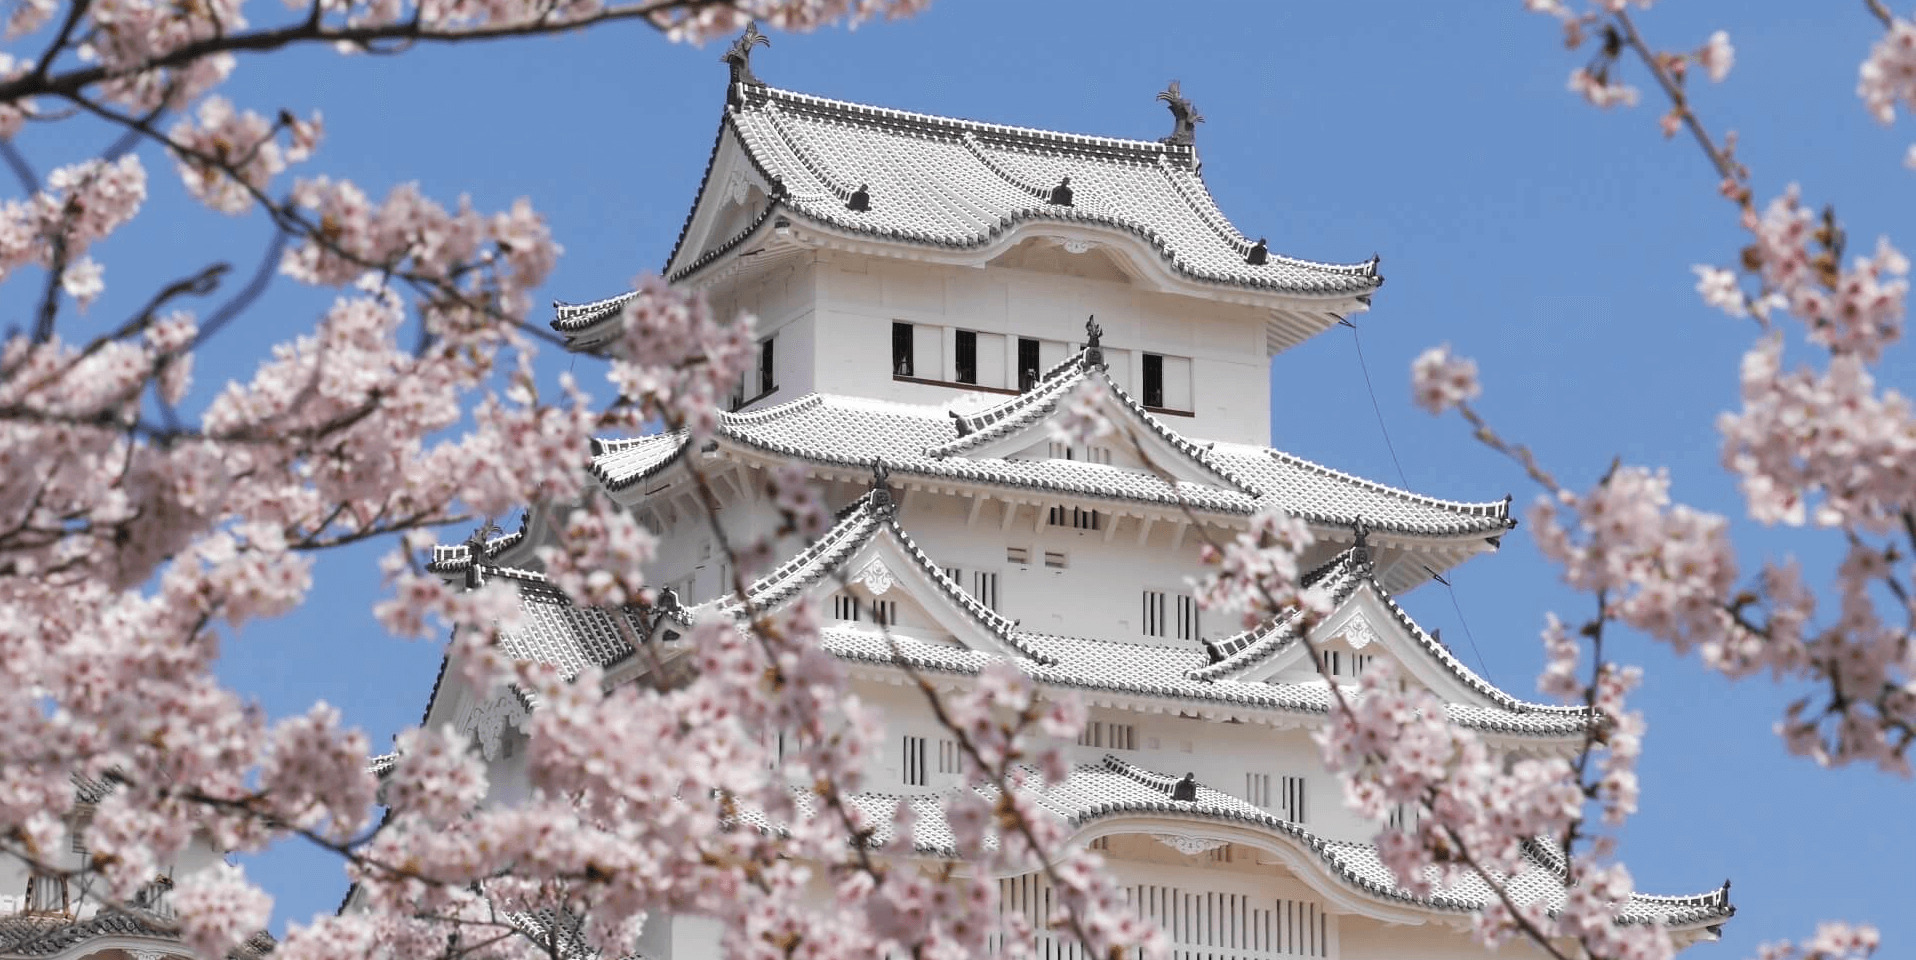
[(30, 935), (453, 557), (1034, 406), (1164, 672), (1118, 788), (855, 432), (944, 182), (555, 631), (867, 517), (1340, 575)]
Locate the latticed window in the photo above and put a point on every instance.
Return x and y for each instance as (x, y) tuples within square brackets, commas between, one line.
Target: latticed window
[(914, 761), (1153, 622), (845, 607), (1109, 736), (1290, 798), (1187, 617), (1257, 789), (1201, 924), (1073, 517)]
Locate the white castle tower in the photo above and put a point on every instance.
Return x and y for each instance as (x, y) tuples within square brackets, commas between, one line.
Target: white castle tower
[(923, 286)]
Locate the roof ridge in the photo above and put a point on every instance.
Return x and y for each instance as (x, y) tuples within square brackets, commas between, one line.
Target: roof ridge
[(956, 125), (1461, 670), (1259, 643), (810, 400)]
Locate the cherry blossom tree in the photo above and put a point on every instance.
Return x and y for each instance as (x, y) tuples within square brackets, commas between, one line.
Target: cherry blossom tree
[(132, 530)]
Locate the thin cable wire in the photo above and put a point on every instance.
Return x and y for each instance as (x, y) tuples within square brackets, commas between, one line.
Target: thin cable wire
[(1405, 483), (1365, 367)]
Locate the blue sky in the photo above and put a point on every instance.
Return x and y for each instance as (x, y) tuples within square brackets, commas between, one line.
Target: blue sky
[(1548, 240)]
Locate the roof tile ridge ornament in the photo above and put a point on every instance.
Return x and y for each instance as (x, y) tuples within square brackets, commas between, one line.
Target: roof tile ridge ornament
[(477, 552), (1093, 340), (1361, 560), (739, 58), (1061, 194), (881, 498), (1184, 115)]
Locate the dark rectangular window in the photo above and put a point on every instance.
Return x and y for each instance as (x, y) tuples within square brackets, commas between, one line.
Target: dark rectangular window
[(1027, 363), (766, 381), (901, 365), (1153, 380), (967, 357)]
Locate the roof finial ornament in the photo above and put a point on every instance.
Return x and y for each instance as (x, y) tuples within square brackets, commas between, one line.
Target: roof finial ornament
[(739, 57), (1360, 547), (860, 200), (1185, 790), (476, 552), (881, 486), (1093, 342), (1061, 194), (1186, 115), (1259, 254)]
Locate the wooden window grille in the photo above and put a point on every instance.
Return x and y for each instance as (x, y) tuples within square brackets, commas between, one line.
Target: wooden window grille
[(1109, 736), (845, 607), (885, 612), (1073, 517), (1257, 789), (984, 586), (1187, 617), (950, 760), (1291, 800), (1201, 924), (915, 761), (1153, 613)]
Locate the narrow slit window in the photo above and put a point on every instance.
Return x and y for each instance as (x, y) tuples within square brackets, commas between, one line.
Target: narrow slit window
[(1187, 617), (1291, 800), (914, 765), (1054, 559), (901, 351), (949, 759), (967, 358), (844, 607), (1073, 517), (1018, 555), (767, 369), (1153, 622), (1257, 789), (885, 613), (1153, 380), (985, 587)]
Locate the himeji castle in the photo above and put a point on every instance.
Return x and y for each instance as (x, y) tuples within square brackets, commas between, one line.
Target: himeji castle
[(926, 289), (929, 290)]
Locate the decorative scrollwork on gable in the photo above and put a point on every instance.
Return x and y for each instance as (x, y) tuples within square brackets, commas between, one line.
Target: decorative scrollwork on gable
[(486, 721), (876, 577), (1189, 846)]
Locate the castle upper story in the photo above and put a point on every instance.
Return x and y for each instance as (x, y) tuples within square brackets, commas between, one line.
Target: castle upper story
[(914, 258)]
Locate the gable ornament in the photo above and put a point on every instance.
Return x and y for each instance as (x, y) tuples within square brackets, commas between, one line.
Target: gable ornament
[(876, 577), (486, 721)]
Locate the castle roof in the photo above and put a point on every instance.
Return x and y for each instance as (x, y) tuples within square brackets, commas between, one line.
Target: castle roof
[(937, 442), (859, 172), (1116, 788), (553, 630)]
